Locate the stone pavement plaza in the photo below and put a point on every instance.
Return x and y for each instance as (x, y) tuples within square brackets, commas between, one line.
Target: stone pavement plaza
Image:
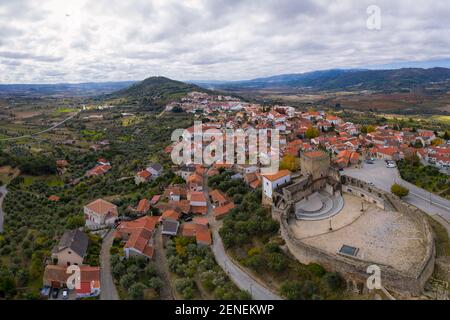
[(384, 237)]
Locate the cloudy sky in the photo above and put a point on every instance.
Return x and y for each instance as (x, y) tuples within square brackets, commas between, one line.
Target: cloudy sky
[(48, 41)]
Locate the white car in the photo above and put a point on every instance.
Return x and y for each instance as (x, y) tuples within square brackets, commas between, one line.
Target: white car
[(391, 165)]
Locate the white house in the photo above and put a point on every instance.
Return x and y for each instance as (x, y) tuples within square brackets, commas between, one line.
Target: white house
[(100, 213), (273, 181)]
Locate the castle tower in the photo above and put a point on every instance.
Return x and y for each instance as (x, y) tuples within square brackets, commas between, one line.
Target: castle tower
[(315, 163)]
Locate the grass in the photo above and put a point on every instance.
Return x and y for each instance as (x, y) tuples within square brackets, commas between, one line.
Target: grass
[(443, 119), (51, 181), (60, 111), (426, 177), (128, 121), (92, 135)]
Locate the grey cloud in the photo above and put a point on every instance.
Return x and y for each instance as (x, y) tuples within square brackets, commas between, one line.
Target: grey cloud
[(216, 39), (22, 55)]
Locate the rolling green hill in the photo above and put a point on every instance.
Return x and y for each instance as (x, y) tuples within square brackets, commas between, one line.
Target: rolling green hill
[(153, 92)]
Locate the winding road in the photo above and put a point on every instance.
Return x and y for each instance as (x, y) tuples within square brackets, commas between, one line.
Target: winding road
[(3, 192), (384, 178), (241, 278), (43, 131)]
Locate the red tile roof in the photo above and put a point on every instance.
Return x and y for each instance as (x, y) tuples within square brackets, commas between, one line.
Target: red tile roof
[(53, 198), (220, 212), (171, 215), (143, 206), (144, 174), (102, 207), (280, 174), (198, 197), (139, 233)]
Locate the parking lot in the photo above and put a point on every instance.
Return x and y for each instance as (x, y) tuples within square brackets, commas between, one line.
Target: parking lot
[(383, 178)]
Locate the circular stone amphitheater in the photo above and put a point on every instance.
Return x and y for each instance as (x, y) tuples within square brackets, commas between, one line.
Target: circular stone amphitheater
[(356, 227), (319, 206)]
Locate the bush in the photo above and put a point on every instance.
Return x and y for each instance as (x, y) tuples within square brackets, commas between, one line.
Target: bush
[(185, 286), (276, 261), (136, 291), (316, 269), (291, 290), (127, 281), (332, 281), (399, 190)]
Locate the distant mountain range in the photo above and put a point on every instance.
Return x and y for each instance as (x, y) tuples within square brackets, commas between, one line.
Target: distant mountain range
[(341, 79), (160, 90), (63, 89)]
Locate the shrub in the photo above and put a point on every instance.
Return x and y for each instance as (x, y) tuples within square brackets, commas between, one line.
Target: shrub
[(316, 269), (399, 190), (127, 281), (332, 281), (276, 261), (136, 291), (291, 290)]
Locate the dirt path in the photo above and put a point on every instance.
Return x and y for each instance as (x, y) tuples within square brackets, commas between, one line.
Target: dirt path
[(162, 268)]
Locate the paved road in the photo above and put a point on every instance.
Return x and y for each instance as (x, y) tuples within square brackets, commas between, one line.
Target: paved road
[(241, 278), (384, 178), (3, 192), (108, 290)]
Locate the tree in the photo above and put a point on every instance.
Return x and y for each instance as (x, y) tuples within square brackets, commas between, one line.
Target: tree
[(311, 133), (127, 281), (316, 269), (367, 129), (276, 261), (418, 144), (136, 291), (332, 280), (289, 162), (155, 283), (292, 290), (399, 190), (150, 270), (446, 135), (74, 222), (437, 142), (7, 284)]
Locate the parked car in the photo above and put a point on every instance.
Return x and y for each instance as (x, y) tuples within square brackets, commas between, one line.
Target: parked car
[(45, 292), (55, 293), (369, 162), (391, 165), (65, 294)]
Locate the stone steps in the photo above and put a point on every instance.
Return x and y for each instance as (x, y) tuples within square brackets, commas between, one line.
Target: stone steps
[(332, 206)]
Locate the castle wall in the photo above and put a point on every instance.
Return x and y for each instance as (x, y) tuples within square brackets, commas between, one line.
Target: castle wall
[(353, 268)]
